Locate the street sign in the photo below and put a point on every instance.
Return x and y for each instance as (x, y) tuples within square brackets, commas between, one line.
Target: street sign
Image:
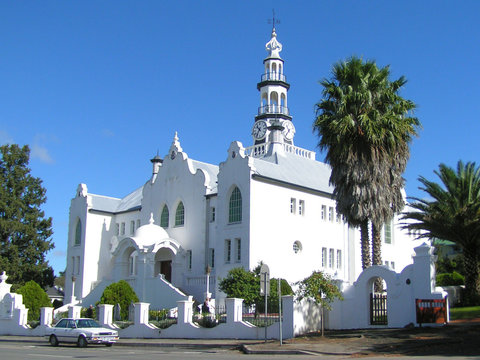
[(264, 280)]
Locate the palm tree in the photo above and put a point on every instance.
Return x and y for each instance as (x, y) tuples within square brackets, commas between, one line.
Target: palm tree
[(453, 213), (365, 127)]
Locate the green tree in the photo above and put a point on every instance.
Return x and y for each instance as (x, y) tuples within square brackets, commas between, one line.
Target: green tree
[(34, 297), (365, 127), (452, 212), (318, 287), (241, 283), (24, 231), (119, 293), (245, 285)]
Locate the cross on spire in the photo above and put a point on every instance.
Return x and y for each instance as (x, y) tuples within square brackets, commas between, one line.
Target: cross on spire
[(273, 21)]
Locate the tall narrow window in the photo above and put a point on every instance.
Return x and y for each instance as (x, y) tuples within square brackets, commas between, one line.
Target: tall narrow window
[(131, 263), (180, 215), (212, 214), (324, 212), (228, 250), (339, 217), (239, 249), (301, 207), (339, 259), (388, 233), (324, 257), (330, 213), (212, 258), (122, 229), (164, 217), (138, 223), (78, 265), (331, 258), (235, 206), (189, 259), (293, 205), (132, 227), (117, 229), (78, 233)]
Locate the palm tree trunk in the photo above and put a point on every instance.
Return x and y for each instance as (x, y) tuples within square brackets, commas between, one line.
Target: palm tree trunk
[(472, 278), (377, 253), (376, 244), (365, 242)]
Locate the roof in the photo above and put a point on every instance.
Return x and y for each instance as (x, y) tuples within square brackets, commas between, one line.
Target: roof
[(210, 169), (295, 170), (114, 205)]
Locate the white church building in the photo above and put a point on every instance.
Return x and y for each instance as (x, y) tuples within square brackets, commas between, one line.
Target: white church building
[(269, 202)]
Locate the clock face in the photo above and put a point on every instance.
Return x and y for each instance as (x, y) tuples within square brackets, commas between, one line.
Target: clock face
[(259, 130), (289, 130)]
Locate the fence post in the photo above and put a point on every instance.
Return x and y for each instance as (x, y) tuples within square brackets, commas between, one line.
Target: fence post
[(105, 314), (74, 311), (46, 316), (234, 310)]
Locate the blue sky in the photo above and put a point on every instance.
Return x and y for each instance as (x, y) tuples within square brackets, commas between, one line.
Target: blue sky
[(96, 88)]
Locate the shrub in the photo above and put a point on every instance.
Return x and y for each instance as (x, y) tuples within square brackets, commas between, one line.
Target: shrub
[(119, 293), (90, 312), (450, 279), (34, 297)]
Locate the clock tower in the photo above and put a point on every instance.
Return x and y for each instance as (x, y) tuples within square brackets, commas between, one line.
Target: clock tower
[(273, 89)]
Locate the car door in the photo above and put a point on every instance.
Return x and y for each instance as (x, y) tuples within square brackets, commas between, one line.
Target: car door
[(71, 331), (59, 329)]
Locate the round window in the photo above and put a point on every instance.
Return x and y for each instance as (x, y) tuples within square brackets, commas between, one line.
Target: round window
[(297, 247)]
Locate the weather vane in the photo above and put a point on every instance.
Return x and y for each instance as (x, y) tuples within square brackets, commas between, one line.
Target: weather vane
[(273, 21)]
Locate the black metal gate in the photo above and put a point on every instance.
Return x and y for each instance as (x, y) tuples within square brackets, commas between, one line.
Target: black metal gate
[(378, 309)]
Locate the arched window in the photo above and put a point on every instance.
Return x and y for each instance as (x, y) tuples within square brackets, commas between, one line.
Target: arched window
[(164, 217), (235, 206), (180, 215), (78, 233)]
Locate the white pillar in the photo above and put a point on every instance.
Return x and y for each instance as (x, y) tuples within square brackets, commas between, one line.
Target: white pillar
[(105, 314), (288, 323), (234, 310), (46, 316), (185, 311), (141, 313), (74, 311)]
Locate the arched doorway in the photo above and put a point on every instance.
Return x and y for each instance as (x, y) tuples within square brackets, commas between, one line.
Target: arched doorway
[(378, 301), (163, 263)]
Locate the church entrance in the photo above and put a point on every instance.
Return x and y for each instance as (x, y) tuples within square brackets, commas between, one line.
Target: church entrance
[(166, 269), (163, 263)]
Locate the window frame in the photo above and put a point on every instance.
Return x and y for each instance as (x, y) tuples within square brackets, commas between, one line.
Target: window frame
[(235, 205), (180, 215), (164, 217), (77, 240)]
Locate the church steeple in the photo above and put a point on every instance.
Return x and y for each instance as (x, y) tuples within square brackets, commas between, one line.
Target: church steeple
[(273, 89)]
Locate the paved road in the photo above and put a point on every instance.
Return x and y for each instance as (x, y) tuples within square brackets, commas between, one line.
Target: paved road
[(20, 351)]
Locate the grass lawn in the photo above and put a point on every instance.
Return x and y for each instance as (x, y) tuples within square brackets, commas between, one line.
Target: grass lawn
[(465, 313)]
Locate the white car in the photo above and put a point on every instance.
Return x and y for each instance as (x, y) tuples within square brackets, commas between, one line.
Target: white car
[(82, 332)]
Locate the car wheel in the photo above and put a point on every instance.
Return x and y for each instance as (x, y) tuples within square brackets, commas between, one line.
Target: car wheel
[(82, 342), (108, 344), (53, 340)]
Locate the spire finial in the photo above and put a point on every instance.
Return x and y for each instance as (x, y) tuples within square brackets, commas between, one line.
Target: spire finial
[(273, 21), (273, 46)]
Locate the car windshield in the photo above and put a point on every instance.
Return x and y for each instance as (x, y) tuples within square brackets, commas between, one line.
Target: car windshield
[(87, 323)]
